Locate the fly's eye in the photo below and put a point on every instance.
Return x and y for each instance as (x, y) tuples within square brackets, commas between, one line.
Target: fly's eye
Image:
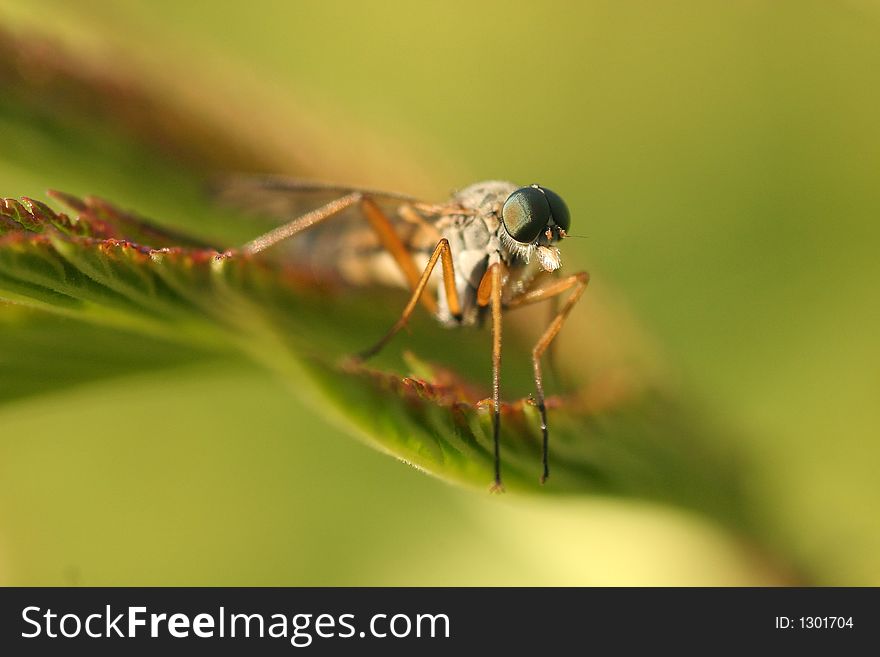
[(525, 214), (558, 209)]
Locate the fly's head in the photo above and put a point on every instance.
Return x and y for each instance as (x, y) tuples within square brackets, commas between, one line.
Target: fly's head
[(533, 219)]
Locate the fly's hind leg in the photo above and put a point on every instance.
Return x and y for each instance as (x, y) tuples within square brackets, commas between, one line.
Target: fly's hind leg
[(577, 283), (378, 220), (443, 253), (389, 239)]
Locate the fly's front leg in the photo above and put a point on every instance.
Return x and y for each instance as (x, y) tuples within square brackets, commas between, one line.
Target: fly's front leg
[(378, 220), (577, 282), (443, 253), (550, 357), (490, 293)]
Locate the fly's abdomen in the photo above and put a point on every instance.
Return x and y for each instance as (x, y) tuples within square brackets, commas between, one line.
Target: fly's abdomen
[(355, 254)]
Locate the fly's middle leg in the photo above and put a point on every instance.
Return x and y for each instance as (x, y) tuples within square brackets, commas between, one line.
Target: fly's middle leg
[(442, 253)]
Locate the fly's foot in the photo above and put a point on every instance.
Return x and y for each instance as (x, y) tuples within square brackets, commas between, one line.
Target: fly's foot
[(496, 487)]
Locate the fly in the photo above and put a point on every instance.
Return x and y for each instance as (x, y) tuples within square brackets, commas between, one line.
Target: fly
[(495, 242)]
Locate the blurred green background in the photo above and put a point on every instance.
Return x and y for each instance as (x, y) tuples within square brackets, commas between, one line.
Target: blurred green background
[(720, 159)]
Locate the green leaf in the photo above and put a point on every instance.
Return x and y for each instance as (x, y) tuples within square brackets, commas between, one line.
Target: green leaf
[(40, 352)]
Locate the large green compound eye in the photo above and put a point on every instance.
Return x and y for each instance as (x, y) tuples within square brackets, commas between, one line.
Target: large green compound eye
[(525, 214), (558, 209)]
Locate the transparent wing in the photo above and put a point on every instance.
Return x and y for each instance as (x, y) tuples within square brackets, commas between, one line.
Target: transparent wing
[(283, 198)]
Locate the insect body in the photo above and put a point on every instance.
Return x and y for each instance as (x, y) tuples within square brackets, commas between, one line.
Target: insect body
[(495, 242)]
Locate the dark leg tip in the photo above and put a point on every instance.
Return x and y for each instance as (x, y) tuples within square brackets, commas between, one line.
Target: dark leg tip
[(361, 356), (496, 487)]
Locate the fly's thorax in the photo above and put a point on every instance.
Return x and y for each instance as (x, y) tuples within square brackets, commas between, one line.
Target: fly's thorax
[(485, 197), (484, 230)]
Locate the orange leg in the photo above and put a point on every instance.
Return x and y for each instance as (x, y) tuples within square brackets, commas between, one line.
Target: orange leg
[(378, 221), (489, 292), (443, 253), (309, 219), (579, 283), (550, 356)]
